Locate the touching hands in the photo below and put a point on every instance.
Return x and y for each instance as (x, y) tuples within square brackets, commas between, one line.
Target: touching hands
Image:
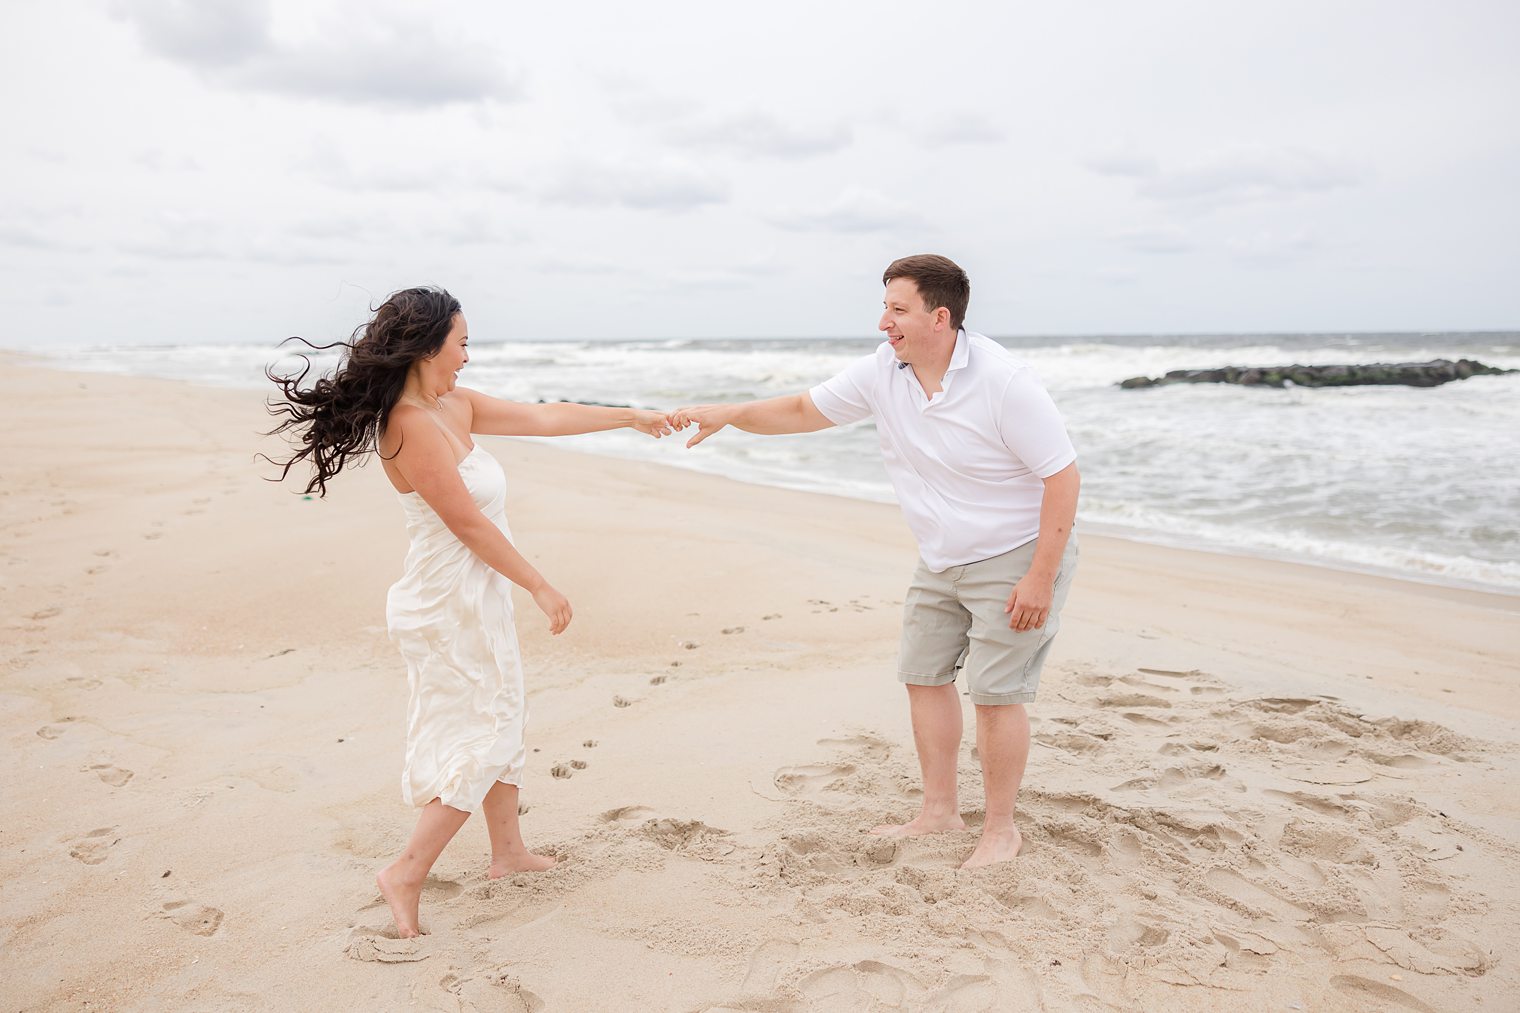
[(708, 418), (554, 605), (1029, 605), (654, 424)]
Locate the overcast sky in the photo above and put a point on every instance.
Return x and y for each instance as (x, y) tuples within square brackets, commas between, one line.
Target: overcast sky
[(241, 171)]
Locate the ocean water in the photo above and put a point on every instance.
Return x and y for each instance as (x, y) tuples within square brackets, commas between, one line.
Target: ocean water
[(1419, 483)]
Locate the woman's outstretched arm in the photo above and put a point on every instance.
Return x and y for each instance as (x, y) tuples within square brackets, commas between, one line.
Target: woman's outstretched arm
[(495, 417)]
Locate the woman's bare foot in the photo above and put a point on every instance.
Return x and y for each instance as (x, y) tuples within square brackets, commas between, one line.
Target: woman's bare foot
[(403, 897), (519, 861), (921, 824), (996, 845)]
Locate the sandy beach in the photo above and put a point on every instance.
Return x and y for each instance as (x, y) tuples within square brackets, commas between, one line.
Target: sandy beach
[(1253, 785)]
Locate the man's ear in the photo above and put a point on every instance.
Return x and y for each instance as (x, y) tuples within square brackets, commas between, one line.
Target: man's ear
[(942, 317)]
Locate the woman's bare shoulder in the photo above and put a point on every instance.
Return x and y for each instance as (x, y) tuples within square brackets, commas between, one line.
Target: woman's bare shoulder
[(404, 422)]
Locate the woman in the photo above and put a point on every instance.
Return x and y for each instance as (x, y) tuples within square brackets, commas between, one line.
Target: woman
[(451, 611)]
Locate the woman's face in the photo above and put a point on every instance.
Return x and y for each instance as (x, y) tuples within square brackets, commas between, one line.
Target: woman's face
[(450, 359)]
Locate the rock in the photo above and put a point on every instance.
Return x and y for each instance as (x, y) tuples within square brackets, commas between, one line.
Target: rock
[(1408, 374)]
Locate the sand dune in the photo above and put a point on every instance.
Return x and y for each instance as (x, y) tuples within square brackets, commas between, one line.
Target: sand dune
[(1253, 785)]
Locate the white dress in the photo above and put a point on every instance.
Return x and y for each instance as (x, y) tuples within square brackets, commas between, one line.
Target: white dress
[(451, 615)]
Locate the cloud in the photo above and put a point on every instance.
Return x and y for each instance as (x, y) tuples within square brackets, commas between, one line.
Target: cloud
[(661, 185), (854, 210), (559, 265), (1269, 248), (42, 229), (164, 160), (399, 63), (633, 99), (393, 174), (1124, 161), (1165, 239), (28, 237), (760, 134), (1241, 176), (180, 237), (202, 33), (965, 129)]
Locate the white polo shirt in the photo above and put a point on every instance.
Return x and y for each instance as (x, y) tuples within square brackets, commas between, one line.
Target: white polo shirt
[(968, 464)]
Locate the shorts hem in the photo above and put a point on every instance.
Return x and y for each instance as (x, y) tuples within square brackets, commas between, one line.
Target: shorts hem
[(1001, 699), (914, 679)]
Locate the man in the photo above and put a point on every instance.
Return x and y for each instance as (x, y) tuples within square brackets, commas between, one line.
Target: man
[(987, 481)]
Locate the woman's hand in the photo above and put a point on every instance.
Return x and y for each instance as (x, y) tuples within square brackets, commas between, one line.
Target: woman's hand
[(554, 605), (654, 424)]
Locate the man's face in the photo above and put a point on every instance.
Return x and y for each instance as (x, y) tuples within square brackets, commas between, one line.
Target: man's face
[(910, 328)]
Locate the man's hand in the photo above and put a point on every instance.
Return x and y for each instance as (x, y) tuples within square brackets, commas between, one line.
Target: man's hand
[(654, 424), (708, 418), (554, 605), (1029, 604)]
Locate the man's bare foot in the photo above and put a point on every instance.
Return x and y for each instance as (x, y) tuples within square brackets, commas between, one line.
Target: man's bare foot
[(519, 861), (920, 825), (403, 897), (995, 846)]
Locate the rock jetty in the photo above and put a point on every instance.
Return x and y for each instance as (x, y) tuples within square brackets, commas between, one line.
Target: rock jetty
[(1408, 374)]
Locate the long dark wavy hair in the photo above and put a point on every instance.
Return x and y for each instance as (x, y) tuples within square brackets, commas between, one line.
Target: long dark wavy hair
[(340, 417)]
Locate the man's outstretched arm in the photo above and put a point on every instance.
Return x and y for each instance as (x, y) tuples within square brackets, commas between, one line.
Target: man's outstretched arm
[(775, 416)]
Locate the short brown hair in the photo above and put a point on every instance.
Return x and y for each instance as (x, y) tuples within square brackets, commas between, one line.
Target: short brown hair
[(940, 282)]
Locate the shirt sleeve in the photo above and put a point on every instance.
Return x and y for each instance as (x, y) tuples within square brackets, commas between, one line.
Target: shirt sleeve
[(850, 395), (1031, 426)]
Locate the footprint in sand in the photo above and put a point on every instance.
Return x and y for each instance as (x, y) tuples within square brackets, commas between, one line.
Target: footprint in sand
[(766, 964), (54, 730), (1377, 994), (868, 746), (1132, 700), (1073, 742), (658, 680), (1328, 773), (773, 615), (729, 631), (627, 814), (966, 992), (621, 701), (46, 613), (1315, 803), (589, 744), (578, 764), (192, 917), (1175, 777), (92, 847), (379, 946), (812, 777), (1130, 932), (561, 771), (1144, 720), (865, 984), (692, 837), (114, 776), (497, 991)]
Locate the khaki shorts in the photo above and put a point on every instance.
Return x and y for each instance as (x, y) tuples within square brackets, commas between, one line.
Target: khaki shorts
[(954, 621)]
